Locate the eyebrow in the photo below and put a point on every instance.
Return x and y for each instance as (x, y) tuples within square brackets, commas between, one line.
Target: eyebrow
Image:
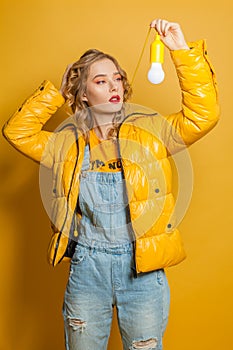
[(104, 75)]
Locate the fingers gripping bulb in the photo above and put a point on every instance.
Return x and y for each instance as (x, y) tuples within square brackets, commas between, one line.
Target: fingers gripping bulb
[(156, 73)]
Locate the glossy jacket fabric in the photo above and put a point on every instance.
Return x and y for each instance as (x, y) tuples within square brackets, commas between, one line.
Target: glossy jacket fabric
[(145, 142)]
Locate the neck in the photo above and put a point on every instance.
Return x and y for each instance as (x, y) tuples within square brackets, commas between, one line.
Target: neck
[(102, 123)]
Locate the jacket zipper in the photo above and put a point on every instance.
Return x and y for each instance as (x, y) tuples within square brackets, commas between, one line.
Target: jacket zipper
[(68, 196)]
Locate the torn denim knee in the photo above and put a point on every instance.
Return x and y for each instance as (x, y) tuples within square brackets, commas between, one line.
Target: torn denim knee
[(76, 323), (148, 344)]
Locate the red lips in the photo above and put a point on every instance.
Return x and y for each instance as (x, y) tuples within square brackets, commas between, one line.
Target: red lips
[(115, 99)]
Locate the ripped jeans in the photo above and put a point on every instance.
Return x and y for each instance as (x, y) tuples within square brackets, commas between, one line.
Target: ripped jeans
[(101, 275)]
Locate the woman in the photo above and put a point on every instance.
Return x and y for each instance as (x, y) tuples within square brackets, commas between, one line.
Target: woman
[(112, 204)]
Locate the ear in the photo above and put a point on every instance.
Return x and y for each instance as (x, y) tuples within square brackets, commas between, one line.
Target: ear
[(84, 97)]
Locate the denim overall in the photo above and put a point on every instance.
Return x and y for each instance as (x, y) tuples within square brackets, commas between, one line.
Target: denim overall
[(101, 273)]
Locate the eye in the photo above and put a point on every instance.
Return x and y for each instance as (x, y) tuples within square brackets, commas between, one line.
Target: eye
[(100, 82), (119, 78)]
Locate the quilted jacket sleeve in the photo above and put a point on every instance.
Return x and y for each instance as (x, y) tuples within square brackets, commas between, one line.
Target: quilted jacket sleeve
[(200, 108), (24, 129)]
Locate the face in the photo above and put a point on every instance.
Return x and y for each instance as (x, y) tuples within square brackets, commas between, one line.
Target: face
[(104, 88)]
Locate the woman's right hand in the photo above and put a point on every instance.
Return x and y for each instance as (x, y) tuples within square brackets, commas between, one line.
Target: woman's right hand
[(170, 33)]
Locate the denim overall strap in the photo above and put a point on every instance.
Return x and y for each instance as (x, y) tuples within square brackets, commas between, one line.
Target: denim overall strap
[(86, 159)]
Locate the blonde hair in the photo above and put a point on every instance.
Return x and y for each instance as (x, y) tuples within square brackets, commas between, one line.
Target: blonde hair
[(76, 85)]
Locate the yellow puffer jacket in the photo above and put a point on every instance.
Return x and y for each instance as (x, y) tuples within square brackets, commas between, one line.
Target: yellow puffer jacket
[(145, 143)]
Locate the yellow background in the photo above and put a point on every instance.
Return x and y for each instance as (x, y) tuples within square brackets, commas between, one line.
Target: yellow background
[(38, 40)]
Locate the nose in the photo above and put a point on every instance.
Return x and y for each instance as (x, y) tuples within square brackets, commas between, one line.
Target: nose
[(113, 86)]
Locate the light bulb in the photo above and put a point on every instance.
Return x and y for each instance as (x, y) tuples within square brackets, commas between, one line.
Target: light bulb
[(156, 73)]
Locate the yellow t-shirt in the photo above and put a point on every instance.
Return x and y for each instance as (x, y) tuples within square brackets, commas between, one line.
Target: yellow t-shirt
[(104, 154)]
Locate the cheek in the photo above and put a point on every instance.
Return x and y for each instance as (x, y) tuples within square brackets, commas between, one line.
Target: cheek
[(95, 96), (98, 95)]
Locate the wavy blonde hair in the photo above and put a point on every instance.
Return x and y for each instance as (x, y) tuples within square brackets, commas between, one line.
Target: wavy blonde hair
[(75, 87)]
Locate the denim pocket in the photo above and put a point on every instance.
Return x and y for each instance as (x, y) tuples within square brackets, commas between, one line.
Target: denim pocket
[(160, 277), (79, 256)]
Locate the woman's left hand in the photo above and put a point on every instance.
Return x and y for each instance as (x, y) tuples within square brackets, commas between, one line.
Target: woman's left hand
[(170, 34)]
